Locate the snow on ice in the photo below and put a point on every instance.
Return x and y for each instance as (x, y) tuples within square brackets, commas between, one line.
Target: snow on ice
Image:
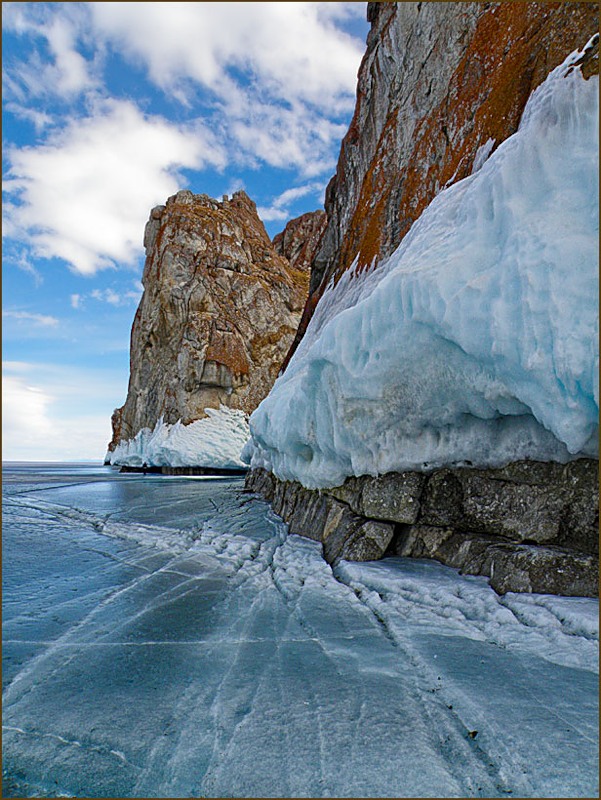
[(214, 441), (477, 341)]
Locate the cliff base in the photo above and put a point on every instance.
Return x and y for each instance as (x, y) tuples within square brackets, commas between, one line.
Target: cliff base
[(529, 526)]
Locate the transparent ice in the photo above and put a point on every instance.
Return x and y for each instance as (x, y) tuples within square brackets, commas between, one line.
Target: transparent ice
[(165, 637)]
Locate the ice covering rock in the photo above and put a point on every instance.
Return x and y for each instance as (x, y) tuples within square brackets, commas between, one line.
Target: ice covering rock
[(218, 313), (476, 343), (213, 441), (440, 86)]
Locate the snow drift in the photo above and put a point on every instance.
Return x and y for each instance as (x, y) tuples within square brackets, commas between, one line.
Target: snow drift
[(214, 441), (476, 342)]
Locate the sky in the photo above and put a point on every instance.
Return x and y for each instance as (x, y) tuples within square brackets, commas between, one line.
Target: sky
[(110, 108)]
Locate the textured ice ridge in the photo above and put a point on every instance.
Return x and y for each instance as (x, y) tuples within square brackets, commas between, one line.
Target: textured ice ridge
[(214, 441), (476, 342)]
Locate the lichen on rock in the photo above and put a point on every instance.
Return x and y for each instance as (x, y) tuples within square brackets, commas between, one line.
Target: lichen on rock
[(218, 313)]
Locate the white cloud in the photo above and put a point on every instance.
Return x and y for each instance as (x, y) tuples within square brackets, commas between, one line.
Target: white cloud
[(24, 414), (279, 209), (286, 138), (279, 72), (42, 417), (39, 119), (70, 75), (76, 300), (114, 298), (270, 78), (67, 74), (295, 51), (21, 260), (84, 195), (35, 319)]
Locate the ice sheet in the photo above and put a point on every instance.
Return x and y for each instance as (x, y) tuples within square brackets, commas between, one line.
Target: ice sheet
[(166, 638)]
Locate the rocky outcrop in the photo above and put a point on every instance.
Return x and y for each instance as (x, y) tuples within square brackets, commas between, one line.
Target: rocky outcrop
[(530, 526), (441, 85), (218, 313), (301, 238)]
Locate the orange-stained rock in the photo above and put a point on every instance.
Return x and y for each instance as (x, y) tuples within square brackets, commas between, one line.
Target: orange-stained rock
[(218, 313), (439, 83), (301, 238)]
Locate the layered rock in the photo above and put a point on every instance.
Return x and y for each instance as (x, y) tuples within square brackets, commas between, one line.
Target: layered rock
[(218, 313), (529, 526), (440, 86)]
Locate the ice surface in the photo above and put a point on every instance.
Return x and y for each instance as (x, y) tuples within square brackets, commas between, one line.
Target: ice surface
[(214, 441), (477, 342), (164, 637)]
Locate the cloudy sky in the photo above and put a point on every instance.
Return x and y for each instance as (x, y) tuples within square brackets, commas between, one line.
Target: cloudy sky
[(109, 108)]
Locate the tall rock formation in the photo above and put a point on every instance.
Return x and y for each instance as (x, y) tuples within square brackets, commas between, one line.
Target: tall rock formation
[(218, 313), (441, 85)]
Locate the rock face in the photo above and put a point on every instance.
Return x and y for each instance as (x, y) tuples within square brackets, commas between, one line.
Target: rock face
[(218, 313), (301, 238), (441, 85), (530, 526)]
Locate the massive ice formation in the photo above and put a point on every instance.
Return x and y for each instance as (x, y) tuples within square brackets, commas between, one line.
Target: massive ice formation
[(213, 441), (477, 341)]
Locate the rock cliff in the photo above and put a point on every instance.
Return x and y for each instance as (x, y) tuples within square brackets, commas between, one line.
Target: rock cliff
[(301, 238), (218, 313), (440, 86)]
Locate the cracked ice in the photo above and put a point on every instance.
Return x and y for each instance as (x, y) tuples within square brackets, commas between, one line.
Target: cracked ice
[(165, 637)]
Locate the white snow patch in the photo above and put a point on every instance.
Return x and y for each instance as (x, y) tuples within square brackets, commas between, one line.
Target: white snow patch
[(477, 340), (214, 441)]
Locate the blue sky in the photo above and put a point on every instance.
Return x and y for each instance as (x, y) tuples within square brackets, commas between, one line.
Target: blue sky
[(108, 109)]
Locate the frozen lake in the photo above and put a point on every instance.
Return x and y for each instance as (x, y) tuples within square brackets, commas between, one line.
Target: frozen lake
[(163, 637)]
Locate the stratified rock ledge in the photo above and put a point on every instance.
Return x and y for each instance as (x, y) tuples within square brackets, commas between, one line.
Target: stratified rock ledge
[(529, 526), (222, 471)]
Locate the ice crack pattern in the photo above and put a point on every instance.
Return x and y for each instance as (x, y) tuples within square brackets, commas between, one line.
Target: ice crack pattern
[(166, 637)]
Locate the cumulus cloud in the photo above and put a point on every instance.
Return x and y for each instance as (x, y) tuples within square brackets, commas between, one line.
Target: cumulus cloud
[(280, 73), (67, 73), (83, 196), (287, 138), (295, 51), (263, 84)]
